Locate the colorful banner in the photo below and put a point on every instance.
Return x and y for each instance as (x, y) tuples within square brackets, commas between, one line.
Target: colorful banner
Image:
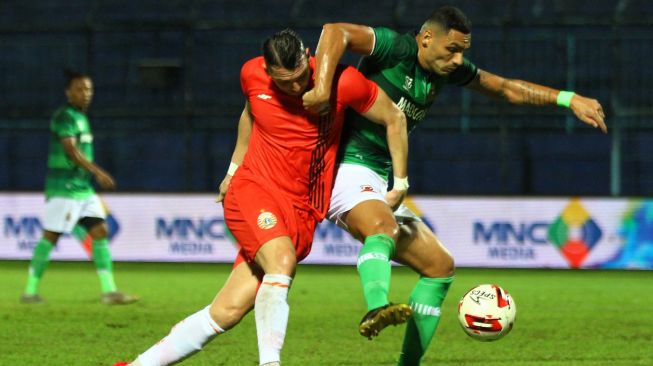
[(479, 232)]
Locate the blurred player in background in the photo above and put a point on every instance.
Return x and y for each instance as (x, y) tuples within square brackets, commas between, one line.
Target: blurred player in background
[(85, 239), (279, 193), (70, 197), (411, 68)]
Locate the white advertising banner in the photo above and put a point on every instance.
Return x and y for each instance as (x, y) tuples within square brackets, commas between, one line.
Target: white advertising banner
[(479, 232)]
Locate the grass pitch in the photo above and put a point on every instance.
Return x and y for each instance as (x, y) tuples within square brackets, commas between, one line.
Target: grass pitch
[(563, 317)]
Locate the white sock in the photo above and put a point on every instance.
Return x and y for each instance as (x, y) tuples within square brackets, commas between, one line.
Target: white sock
[(271, 312), (186, 337)]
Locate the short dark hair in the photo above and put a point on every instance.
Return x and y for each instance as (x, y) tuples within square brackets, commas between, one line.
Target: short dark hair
[(449, 17), (72, 75), (284, 49)]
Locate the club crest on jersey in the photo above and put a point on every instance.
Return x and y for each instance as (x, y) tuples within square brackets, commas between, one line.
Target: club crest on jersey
[(408, 83), (266, 220), (367, 188)]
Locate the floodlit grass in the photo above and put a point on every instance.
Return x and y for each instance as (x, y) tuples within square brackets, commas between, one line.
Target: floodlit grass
[(563, 317)]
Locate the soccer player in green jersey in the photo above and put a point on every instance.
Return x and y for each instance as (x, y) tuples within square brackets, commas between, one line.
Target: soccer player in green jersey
[(412, 69), (70, 197)]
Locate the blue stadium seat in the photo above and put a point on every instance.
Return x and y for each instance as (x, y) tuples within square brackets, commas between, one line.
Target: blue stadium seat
[(32, 67), (562, 164), (5, 178), (637, 167), (454, 163), (140, 12), (116, 73), (39, 14), (150, 161), (217, 60), (370, 12), (255, 14), (28, 154)]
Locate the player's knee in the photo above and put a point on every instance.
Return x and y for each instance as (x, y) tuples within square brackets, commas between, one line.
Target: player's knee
[(285, 264), (51, 237), (227, 316), (382, 225), (96, 227)]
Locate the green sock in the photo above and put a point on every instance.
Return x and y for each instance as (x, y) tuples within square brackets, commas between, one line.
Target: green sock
[(426, 298), (374, 269), (79, 232), (40, 260), (103, 264)]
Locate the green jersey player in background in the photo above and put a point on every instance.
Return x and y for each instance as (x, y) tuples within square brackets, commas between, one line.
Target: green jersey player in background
[(70, 197), (411, 69)]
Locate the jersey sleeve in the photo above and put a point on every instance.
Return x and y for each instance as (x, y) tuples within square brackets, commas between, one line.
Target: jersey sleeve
[(355, 90), (388, 46), (63, 125), (464, 74), (244, 71)]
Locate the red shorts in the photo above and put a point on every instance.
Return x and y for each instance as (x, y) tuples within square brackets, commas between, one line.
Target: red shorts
[(255, 214)]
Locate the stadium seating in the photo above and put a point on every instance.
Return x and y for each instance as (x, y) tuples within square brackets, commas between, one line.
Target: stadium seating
[(599, 48)]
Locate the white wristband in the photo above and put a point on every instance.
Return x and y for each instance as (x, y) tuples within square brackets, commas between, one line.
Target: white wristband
[(232, 168), (400, 184)]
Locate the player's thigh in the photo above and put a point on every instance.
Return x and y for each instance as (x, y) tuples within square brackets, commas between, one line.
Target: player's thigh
[(277, 256), (354, 184), (236, 298), (419, 248), (61, 214)]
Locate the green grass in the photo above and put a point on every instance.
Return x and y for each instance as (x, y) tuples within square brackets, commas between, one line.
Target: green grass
[(564, 318)]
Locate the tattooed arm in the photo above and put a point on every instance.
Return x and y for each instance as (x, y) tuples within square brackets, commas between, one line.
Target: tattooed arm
[(523, 92)]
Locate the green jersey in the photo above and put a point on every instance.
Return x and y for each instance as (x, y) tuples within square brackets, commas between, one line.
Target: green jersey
[(65, 178), (394, 67)]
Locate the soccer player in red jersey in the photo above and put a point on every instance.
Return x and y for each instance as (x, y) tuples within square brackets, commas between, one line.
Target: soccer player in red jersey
[(280, 192)]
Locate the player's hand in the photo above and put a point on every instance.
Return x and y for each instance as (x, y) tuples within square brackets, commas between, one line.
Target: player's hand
[(589, 111), (105, 180), (395, 197), (224, 187), (316, 102)]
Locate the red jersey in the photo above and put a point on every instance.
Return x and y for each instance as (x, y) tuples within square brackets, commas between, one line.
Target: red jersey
[(291, 150)]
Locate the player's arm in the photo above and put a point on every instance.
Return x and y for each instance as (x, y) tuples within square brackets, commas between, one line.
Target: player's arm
[(334, 40), (523, 92), (386, 113), (242, 141), (103, 178)]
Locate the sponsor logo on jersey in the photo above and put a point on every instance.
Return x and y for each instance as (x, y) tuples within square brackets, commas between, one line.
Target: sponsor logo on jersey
[(411, 110), (266, 220), (264, 96)]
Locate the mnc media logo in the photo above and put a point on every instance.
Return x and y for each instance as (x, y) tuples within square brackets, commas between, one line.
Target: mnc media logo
[(574, 233)]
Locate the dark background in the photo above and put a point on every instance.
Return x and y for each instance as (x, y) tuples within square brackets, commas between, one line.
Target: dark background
[(167, 95)]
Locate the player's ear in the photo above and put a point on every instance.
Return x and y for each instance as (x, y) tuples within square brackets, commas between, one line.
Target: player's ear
[(308, 52), (426, 38)]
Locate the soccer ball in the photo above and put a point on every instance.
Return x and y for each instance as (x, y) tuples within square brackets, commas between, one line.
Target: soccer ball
[(487, 312)]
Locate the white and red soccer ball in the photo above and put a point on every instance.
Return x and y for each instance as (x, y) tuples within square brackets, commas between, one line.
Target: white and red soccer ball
[(487, 312)]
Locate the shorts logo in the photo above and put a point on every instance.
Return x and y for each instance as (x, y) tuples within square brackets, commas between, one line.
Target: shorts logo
[(266, 220), (367, 188)]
